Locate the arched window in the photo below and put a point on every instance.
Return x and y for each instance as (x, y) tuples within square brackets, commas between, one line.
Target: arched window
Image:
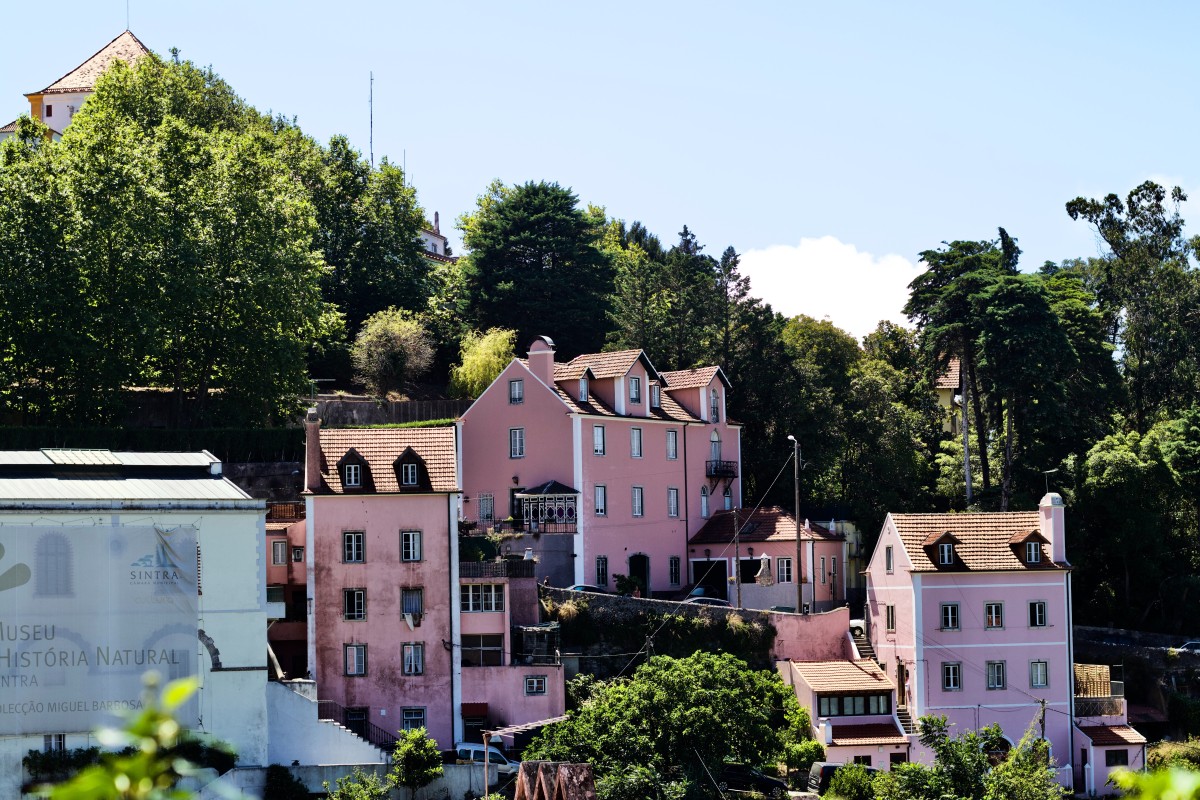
[(728, 498), (704, 501), (716, 408), (54, 567), (714, 444)]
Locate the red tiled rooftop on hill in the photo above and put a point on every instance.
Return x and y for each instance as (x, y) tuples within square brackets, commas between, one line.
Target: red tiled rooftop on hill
[(844, 676), (950, 378), (692, 378), (610, 365), (380, 447), (126, 47), (983, 540), (879, 733), (767, 524), (1112, 735)]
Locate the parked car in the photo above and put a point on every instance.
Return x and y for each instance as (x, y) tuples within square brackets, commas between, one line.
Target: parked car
[(709, 601), (473, 752), (741, 778), (1193, 647), (821, 773), (587, 587)]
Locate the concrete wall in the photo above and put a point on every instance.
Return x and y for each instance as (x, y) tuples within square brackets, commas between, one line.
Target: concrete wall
[(812, 637), (297, 735), (458, 781)]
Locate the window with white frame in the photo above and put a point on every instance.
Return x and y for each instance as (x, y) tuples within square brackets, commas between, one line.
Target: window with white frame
[(995, 675), (783, 569), (516, 392), (673, 570), (1037, 614), (602, 570), (354, 659), (950, 616), (704, 501), (638, 501), (601, 493), (482, 597), (993, 615), (410, 545), (583, 389), (728, 499), (487, 507), (352, 547), (598, 440), (412, 718), (716, 408), (353, 473), (635, 442), (1116, 758), (516, 442), (413, 656), (408, 474), (655, 395), (1033, 552), (889, 565), (946, 553), (672, 445), (951, 676), (635, 390), (889, 618), (672, 502), (535, 684), (354, 604), (412, 600), (1039, 674), (279, 554), (824, 576), (54, 742)]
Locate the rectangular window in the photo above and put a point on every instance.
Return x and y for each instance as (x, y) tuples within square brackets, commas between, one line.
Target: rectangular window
[(412, 600), (601, 500), (408, 474), (635, 390), (54, 742), (482, 597), (412, 718), (598, 440), (833, 567), (414, 658), (482, 650), (355, 658), (890, 619), (583, 389), (297, 554), (487, 507), (353, 475), (1033, 552), (637, 504), (354, 604), (783, 570), (945, 554), (279, 551), (674, 570), (410, 545), (602, 570), (672, 445), (535, 684), (352, 547), (516, 442), (1037, 614), (995, 675), (824, 577), (1039, 674), (864, 760), (655, 395), (516, 392), (993, 615), (1116, 758), (635, 442), (951, 676), (888, 563), (49, 110), (672, 502), (879, 704), (275, 594), (949, 616)]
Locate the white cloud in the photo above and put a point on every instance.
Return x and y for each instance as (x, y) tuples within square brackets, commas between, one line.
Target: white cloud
[(828, 278)]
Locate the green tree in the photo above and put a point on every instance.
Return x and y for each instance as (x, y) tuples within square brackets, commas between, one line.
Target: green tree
[(390, 351), (1026, 773), (911, 781), (484, 357), (416, 761), (963, 760), (359, 785), (851, 782)]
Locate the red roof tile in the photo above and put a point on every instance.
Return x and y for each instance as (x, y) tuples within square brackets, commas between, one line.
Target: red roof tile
[(868, 734), (983, 540), (609, 365), (950, 378), (767, 524), (380, 447), (844, 676), (125, 47), (1112, 735), (691, 378), (9, 128)]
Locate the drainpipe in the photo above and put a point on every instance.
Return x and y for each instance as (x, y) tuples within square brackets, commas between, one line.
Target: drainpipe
[(686, 507)]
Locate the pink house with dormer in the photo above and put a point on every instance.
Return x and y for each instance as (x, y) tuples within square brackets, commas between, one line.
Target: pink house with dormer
[(601, 465)]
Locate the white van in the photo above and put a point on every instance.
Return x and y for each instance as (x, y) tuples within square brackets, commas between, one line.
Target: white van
[(473, 752)]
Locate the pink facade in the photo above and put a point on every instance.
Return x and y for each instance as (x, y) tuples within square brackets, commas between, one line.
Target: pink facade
[(623, 460), (287, 578)]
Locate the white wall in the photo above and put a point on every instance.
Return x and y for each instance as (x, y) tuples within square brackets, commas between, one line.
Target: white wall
[(297, 735)]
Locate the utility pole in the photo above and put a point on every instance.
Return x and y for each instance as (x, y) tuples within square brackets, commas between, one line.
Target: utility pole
[(962, 388), (1043, 720), (737, 557)]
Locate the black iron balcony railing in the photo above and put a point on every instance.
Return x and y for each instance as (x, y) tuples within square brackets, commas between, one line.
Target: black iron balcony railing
[(1099, 706), (720, 469), (508, 568), (525, 526), (328, 709)]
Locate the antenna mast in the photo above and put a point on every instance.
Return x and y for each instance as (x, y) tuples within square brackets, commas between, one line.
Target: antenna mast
[(371, 113), (126, 14)]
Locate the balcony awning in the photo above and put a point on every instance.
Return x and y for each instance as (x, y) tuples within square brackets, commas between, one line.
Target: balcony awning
[(547, 488)]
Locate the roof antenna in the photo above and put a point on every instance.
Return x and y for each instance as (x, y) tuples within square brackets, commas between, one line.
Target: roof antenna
[(371, 113), (126, 14)]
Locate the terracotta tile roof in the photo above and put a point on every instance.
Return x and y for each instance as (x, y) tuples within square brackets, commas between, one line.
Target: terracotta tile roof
[(277, 527), (1112, 735), (767, 524), (380, 447), (950, 378), (844, 676), (610, 365), (868, 734), (984, 540), (10, 127), (690, 378), (125, 47), (571, 371)]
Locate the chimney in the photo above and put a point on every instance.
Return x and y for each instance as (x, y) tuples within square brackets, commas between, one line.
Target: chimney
[(437, 224), (541, 359), (1053, 526), (312, 451)]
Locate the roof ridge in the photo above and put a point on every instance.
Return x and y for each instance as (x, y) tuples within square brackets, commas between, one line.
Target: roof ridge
[(90, 58)]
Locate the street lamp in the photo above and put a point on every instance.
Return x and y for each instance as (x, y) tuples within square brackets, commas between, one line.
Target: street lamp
[(796, 513)]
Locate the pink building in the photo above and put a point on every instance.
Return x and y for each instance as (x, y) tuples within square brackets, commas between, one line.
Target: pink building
[(602, 465), (287, 589), (766, 552), (399, 635)]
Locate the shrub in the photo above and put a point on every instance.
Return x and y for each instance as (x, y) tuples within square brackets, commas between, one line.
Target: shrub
[(801, 755), (851, 782), (391, 349), (282, 785)]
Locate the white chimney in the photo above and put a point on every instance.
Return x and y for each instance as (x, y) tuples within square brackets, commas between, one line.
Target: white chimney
[(312, 451), (541, 359), (1053, 526)]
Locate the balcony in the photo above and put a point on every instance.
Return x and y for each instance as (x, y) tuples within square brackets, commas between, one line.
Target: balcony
[(526, 526), (1096, 694), (720, 469), (508, 568), (1099, 707)]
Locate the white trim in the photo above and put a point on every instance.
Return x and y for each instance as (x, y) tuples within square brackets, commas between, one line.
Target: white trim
[(577, 467), (919, 665), (619, 395), (738, 479), (704, 404), (982, 585), (992, 644), (311, 585), (455, 622), (986, 706)]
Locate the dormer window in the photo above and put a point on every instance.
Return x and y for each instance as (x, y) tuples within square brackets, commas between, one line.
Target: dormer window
[(408, 474), (715, 416), (516, 392), (946, 554), (655, 396), (1033, 552), (583, 389), (352, 475), (635, 390)]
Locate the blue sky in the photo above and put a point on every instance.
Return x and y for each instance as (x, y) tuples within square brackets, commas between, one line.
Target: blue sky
[(828, 142)]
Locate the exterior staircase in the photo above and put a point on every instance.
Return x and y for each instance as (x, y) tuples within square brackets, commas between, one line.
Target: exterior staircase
[(906, 720), (863, 645)]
